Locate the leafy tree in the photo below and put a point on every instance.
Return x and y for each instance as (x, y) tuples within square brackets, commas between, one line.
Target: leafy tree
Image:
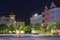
[(11, 28), (3, 27), (39, 27), (57, 25), (24, 28), (50, 26), (53, 25), (27, 28), (21, 28)]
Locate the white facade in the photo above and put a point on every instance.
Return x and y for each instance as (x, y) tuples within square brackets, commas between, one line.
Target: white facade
[(10, 20), (4, 20), (20, 23), (36, 19), (55, 14)]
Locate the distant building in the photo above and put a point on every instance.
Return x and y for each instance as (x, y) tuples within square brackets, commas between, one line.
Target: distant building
[(4, 20), (51, 15), (9, 20), (45, 15), (54, 13), (12, 19), (20, 23), (36, 19)]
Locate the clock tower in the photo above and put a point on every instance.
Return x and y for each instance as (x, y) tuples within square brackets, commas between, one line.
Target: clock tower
[(12, 13)]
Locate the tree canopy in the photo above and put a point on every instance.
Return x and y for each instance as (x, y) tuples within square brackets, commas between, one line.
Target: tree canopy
[(53, 25), (3, 27), (39, 26), (24, 28), (11, 28)]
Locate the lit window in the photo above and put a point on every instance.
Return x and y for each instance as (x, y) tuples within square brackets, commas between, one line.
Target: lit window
[(43, 15)]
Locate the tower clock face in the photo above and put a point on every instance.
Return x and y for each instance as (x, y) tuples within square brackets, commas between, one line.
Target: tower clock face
[(12, 17)]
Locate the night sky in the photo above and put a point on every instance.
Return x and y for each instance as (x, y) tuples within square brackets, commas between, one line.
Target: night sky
[(24, 8)]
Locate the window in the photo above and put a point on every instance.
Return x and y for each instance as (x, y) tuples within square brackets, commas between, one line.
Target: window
[(6, 19), (43, 21), (52, 17), (43, 15)]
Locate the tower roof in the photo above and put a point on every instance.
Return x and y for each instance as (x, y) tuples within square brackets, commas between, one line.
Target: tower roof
[(53, 5), (12, 12), (46, 7)]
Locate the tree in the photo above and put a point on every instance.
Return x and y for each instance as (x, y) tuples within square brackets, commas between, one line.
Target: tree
[(58, 25), (27, 29), (3, 27), (39, 26), (51, 26), (11, 28), (21, 28), (24, 28)]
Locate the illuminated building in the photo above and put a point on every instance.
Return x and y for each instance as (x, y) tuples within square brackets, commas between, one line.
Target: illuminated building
[(20, 23), (45, 16), (54, 13), (4, 20), (35, 19)]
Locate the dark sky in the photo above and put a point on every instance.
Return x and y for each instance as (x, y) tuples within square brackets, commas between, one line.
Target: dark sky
[(24, 8)]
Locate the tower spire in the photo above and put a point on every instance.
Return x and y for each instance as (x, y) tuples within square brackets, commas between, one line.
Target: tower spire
[(53, 5), (46, 8), (12, 7)]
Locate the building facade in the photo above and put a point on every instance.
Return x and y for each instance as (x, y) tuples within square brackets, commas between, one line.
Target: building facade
[(54, 13), (36, 19), (8, 20), (20, 23), (45, 16), (4, 20)]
